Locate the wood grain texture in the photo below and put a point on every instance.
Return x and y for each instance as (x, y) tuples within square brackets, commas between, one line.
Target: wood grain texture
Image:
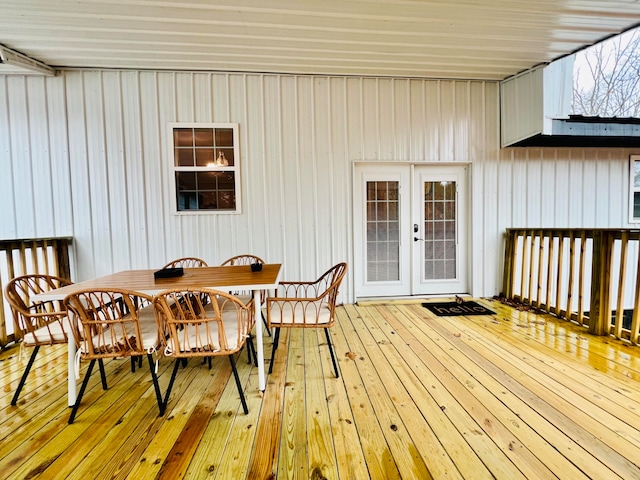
[(506, 396)]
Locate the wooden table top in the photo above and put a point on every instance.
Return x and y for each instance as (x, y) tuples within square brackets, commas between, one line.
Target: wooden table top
[(239, 277)]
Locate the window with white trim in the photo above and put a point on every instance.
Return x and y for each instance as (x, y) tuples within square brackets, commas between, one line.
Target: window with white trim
[(634, 189), (205, 167)]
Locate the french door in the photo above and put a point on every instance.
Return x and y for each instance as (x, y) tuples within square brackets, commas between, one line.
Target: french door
[(411, 229)]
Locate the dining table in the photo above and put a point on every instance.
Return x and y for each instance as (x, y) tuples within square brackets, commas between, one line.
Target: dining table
[(225, 278)]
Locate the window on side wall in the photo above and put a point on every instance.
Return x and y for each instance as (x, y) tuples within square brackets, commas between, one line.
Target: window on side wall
[(205, 168), (634, 189)]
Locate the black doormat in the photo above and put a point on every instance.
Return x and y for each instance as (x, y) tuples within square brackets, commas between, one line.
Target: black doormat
[(455, 309)]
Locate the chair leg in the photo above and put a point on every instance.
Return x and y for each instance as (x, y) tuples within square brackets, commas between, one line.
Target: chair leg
[(81, 392), (235, 375), (103, 375), (276, 338), (25, 374), (333, 357), (156, 385), (253, 350), (266, 324), (173, 377), (133, 363)]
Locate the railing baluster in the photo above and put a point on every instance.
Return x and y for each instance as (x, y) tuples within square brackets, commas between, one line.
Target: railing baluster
[(617, 330), (572, 272)]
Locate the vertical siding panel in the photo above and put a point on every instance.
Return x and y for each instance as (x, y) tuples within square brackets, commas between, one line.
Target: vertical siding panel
[(115, 164), (339, 212), (21, 157), (547, 188), (619, 196), (533, 185), (154, 168), (59, 158), (561, 185), (386, 119), (44, 215), (134, 169), (307, 211), (290, 177), (79, 163), (241, 228), (417, 119), (323, 171), (370, 120), (354, 114), (402, 131), (591, 201), (432, 111), (576, 189), (271, 108), (8, 227), (447, 121), (169, 101), (98, 173), (519, 199), (461, 122)]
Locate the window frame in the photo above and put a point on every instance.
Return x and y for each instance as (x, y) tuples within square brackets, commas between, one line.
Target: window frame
[(633, 160), (174, 169)]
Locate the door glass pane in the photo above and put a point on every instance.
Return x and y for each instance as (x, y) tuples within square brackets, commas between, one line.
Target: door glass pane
[(383, 232), (439, 230)]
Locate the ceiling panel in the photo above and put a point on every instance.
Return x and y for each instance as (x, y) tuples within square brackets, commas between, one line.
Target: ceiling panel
[(411, 38)]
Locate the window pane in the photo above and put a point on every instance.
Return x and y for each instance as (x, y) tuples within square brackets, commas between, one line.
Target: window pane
[(184, 157), (227, 155), (224, 137), (204, 157), (636, 174), (182, 137), (636, 204), (186, 180), (203, 137)]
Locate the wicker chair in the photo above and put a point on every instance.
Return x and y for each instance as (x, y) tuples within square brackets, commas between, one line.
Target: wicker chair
[(245, 297), (203, 323), (306, 305), (113, 323), (186, 262), (38, 323)]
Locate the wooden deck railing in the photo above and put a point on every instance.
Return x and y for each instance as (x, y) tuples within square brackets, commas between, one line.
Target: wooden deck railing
[(589, 276), (21, 257)]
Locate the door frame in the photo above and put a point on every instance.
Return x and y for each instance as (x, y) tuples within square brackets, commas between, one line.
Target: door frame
[(388, 170)]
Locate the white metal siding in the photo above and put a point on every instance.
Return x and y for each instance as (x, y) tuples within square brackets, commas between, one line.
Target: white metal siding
[(522, 103), (85, 154)]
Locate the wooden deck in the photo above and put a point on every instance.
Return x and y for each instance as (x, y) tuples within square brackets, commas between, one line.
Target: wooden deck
[(509, 396)]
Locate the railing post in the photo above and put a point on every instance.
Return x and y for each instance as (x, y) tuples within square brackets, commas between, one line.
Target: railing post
[(509, 259), (600, 309)]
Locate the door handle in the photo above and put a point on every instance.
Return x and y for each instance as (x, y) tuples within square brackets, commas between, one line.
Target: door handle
[(415, 239)]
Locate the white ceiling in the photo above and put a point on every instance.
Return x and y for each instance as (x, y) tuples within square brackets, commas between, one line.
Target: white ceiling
[(471, 39)]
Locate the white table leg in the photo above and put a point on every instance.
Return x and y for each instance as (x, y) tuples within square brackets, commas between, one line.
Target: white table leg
[(258, 320), (71, 371)]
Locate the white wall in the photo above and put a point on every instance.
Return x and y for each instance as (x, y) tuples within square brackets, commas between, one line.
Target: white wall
[(85, 154)]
